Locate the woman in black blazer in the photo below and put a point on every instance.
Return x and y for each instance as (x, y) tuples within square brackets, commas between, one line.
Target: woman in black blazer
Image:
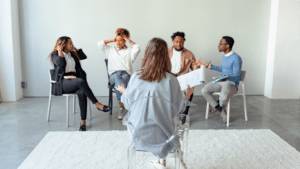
[(70, 77)]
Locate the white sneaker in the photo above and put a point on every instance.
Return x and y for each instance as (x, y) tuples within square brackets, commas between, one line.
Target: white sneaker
[(121, 113)]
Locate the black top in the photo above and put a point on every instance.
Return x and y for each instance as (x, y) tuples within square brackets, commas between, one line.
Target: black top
[(58, 72)]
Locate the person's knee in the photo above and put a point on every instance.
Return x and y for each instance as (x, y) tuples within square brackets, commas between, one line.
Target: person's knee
[(81, 82), (223, 99), (126, 77), (79, 93), (204, 91)]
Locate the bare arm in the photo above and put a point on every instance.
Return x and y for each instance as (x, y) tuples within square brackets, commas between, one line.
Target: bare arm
[(109, 41)]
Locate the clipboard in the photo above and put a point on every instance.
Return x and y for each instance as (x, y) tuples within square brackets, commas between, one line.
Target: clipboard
[(220, 78)]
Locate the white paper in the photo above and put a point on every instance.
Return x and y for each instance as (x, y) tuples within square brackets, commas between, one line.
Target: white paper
[(193, 78)]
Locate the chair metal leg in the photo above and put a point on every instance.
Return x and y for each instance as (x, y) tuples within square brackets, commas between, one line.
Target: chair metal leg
[(110, 104), (131, 157), (67, 109), (49, 106), (89, 107), (74, 103), (245, 105), (207, 110), (186, 139), (228, 112), (178, 159)]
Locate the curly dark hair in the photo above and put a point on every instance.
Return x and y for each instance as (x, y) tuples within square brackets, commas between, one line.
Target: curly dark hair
[(123, 31), (178, 34)]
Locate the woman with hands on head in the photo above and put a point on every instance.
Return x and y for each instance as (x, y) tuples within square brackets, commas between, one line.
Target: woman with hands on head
[(120, 60), (70, 77)]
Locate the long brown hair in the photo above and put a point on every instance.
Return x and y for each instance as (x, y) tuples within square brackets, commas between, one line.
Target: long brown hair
[(156, 61), (63, 38)]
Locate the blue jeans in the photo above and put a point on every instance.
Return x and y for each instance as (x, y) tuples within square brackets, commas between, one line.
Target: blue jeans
[(119, 78)]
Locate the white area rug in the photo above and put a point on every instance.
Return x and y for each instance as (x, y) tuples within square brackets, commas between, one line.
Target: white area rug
[(207, 149)]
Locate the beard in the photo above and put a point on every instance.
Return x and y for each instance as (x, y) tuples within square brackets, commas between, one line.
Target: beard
[(178, 49)]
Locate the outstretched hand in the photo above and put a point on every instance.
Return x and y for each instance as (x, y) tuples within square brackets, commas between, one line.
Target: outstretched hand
[(198, 62), (121, 89), (207, 65)]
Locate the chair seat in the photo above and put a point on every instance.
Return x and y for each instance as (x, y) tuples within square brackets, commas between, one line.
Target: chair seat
[(237, 94), (242, 83)]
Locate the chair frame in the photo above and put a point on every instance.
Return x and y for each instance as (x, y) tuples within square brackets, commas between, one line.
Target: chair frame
[(180, 130), (242, 82), (111, 89), (67, 103)]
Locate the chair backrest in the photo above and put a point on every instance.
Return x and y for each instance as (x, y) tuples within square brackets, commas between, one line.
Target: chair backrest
[(153, 125), (242, 76), (106, 63), (51, 81)]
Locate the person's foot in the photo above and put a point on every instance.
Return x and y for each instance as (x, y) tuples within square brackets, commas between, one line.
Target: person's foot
[(212, 109), (224, 113), (121, 113), (102, 107), (82, 127)]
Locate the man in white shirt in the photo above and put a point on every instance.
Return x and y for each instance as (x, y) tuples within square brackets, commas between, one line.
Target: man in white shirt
[(182, 60), (120, 61)]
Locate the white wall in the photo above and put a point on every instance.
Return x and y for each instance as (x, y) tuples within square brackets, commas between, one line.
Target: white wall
[(86, 22), (10, 56), (286, 83)]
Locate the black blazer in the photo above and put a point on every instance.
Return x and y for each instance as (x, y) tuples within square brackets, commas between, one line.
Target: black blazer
[(57, 74)]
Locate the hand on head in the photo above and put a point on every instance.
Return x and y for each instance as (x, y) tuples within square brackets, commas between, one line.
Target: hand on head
[(75, 49), (125, 38), (60, 45)]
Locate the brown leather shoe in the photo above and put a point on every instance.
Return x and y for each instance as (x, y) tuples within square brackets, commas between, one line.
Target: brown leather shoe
[(212, 109)]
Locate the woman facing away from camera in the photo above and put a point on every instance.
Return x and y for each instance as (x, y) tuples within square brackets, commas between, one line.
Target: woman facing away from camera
[(154, 80), (120, 61), (70, 77)]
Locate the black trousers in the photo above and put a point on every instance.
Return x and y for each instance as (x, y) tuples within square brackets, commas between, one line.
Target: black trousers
[(82, 89), (186, 111)]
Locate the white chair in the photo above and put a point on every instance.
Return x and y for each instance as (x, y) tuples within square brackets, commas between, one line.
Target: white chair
[(242, 82), (67, 102)]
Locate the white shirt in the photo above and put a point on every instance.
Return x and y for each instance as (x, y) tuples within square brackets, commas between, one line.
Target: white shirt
[(119, 60), (176, 61), (70, 63), (228, 54)]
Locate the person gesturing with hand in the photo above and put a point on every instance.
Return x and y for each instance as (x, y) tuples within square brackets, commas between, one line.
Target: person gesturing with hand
[(207, 64)]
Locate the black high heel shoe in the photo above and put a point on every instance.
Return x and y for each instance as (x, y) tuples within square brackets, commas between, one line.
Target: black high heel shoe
[(105, 109)]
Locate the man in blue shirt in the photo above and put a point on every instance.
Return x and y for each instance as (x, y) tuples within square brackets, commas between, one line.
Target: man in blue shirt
[(231, 67)]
